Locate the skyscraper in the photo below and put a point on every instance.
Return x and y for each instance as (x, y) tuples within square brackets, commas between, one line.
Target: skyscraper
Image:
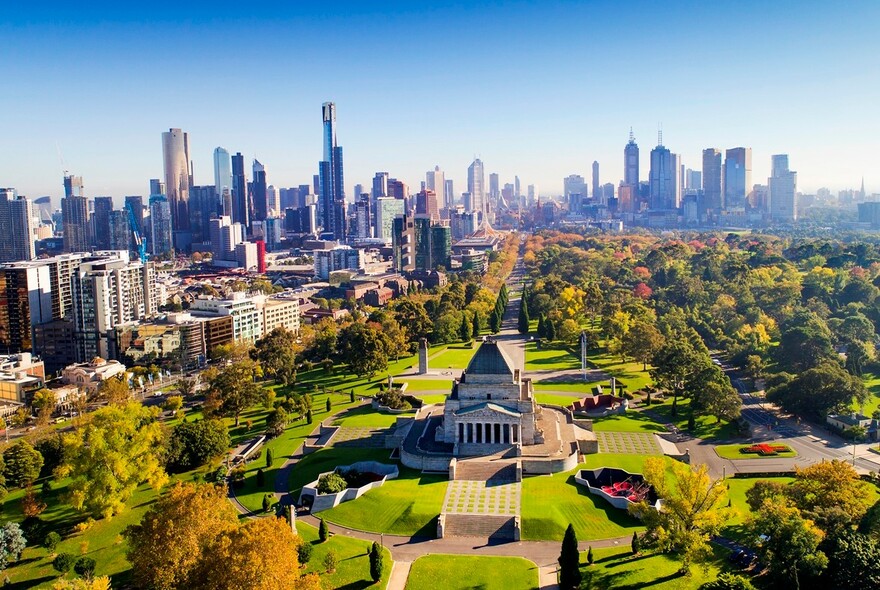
[(73, 186), (426, 204), (477, 187), (574, 184), (157, 187), (631, 163), (175, 151), (783, 190), (136, 204), (222, 170), (260, 193), (450, 192), (101, 219), (160, 225), (240, 206), (75, 216), (331, 177), (737, 177), (665, 181), (596, 193), (380, 185), (712, 195), (436, 181), (17, 221), (494, 185)]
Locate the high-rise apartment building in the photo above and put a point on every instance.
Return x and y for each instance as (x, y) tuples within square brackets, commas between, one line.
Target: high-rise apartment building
[(426, 204), (436, 181), (737, 177), (631, 163), (260, 194), (477, 187), (101, 220), (73, 186), (387, 208), (783, 190), (157, 187), (161, 225), (222, 170), (75, 216), (240, 205), (712, 194), (494, 185), (119, 232), (136, 204), (665, 178), (332, 191), (450, 193), (380, 185), (178, 176), (17, 221), (573, 184), (363, 219)]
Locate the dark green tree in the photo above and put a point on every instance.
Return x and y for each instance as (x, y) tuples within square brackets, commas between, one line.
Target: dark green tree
[(270, 456), (550, 330), (323, 531), (309, 416), (464, 331), (636, 544), (523, 320), (23, 464), (267, 502), (63, 562), (853, 561), (377, 563), (364, 348), (85, 567), (542, 330), (194, 443), (304, 552), (590, 555), (275, 354), (328, 404), (476, 328), (569, 561), (495, 322), (261, 478)]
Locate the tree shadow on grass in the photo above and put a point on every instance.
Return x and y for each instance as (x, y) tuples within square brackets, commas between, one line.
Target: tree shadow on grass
[(30, 583), (359, 585), (617, 516)]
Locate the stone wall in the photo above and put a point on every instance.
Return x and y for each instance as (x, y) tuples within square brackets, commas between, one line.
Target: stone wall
[(424, 462), (547, 466), (327, 501)]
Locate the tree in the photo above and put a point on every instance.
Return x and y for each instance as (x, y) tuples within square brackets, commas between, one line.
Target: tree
[(523, 319), (12, 543), (550, 330), (323, 531), (464, 331), (43, 404), (495, 321), (541, 330), (364, 348), (635, 544), (304, 552), (235, 388), (590, 555), (830, 485), (22, 464), (853, 561), (309, 416), (642, 342), (728, 581), (172, 403), (98, 583), (63, 562), (108, 458), (677, 364), (412, 317), (261, 553), (331, 561), (787, 542), (186, 387), (270, 458), (819, 391), (275, 353), (693, 509), (267, 502), (569, 561), (31, 506), (377, 562), (176, 533), (51, 540), (475, 333), (194, 443), (276, 421), (115, 390), (716, 397), (85, 567), (331, 483), (328, 404)]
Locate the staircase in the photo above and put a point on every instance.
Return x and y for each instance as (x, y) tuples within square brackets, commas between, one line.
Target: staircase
[(488, 471), (471, 525)]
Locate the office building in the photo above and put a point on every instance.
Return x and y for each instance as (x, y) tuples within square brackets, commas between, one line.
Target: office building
[(302, 220), (631, 163), (337, 258), (101, 221), (387, 208), (450, 193), (240, 204), (178, 177), (363, 222), (597, 195), (574, 184), (783, 190), (259, 191), (494, 184), (332, 190), (119, 231), (135, 203), (737, 177), (664, 178), (397, 189), (204, 204), (17, 221), (222, 170), (75, 216), (532, 194), (426, 204), (477, 187), (161, 225), (435, 180), (713, 197), (247, 255), (380, 185), (73, 186), (273, 196)]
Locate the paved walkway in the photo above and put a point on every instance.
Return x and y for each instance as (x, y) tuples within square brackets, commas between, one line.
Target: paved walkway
[(480, 497)]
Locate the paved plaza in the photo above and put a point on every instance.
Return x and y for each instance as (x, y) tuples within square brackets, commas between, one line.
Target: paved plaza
[(634, 443), (480, 497), (365, 438)]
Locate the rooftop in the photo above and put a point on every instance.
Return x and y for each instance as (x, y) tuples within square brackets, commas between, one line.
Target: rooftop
[(490, 359)]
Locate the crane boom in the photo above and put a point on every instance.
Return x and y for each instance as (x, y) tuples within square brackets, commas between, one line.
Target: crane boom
[(136, 234)]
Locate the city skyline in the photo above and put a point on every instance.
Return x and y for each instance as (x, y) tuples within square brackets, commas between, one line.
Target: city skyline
[(801, 61)]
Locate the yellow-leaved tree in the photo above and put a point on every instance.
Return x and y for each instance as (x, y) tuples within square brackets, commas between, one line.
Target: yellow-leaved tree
[(120, 448)]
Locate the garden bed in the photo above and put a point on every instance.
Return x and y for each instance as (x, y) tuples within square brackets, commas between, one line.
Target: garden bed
[(618, 487), (359, 478), (755, 451)]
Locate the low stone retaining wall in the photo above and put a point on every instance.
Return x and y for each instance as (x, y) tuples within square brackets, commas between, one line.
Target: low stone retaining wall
[(547, 466), (322, 502), (424, 462)]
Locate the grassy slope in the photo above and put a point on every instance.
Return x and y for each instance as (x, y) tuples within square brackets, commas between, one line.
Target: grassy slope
[(618, 568), (435, 572), (353, 570)]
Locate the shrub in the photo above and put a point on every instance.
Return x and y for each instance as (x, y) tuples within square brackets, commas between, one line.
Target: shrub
[(331, 483), (728, 582), (329, 404), (50, 542), (331, 561), (323, 531), (270, 457), (63, 562), (267, 502), (590, 555), (377, 563), (636, 545), (304, 552), (84, 567)]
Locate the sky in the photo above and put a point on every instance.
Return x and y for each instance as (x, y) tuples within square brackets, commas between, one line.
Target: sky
[(535, 89)]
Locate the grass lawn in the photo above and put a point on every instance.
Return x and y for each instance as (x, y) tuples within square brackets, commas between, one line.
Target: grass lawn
[(550, 357), (628, 373), (456, 356), (367, 417), (555, 399), (432, 398), (580, 389), (434, 572), (250, 494), (416, 385), (629, 422), (407, 505), (617, 568), (551, 502), (707, 427), (872, 383), (353, 570), (733, 452)]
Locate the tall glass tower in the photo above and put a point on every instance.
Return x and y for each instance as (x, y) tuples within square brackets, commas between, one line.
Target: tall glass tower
[(477, 186), (175, 151), (332, 185), (222, 171), (631, 162)]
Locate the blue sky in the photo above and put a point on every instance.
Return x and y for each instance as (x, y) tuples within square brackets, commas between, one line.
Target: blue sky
[(538, 89)]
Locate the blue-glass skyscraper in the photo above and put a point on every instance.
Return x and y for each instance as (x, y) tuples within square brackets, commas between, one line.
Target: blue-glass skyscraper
[(332, 186), (240, 205)]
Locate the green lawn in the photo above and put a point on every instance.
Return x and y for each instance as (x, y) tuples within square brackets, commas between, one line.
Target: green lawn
[(551, 502), (367, 417), (706, 427), (628, 373), (432, 398), (550, 357), (353, 570), (582, 388), (629, 422), (436, 572), (555, 399), (617, 568), (454, 357), (417, 385), (407, 505), (872, 383), (733, 452)]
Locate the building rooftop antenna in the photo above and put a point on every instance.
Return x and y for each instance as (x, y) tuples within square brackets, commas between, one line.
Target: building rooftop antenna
[(632, 137), (660, 135)]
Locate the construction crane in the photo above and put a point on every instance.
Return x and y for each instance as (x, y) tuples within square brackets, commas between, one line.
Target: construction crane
[(136, 234)]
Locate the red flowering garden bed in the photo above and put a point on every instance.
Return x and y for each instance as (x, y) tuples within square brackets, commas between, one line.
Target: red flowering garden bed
[(765, 449)]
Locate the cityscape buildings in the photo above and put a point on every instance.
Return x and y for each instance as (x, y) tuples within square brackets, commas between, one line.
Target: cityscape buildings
[(178, 176), (332, 187), (476, 185), (782, 190), (737, 177), (17, 221)]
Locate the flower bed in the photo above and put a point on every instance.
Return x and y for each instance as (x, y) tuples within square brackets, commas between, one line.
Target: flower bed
[(765, 449), (359, 477)]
